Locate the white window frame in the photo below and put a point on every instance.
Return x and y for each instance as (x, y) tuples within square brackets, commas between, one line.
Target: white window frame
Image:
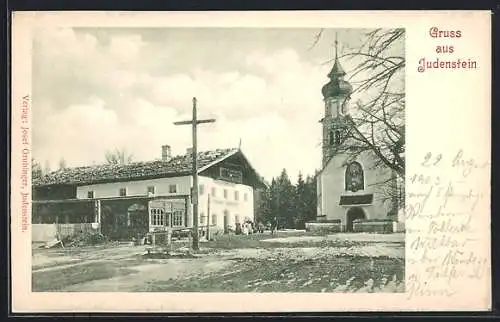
[(120, 192), (178, 218), (159, 217), (152, 192), (170, 186), (236, 195)]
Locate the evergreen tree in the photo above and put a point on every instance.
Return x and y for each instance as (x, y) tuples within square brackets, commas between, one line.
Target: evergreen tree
[(300, 202), (264, 214), (273, 200), (292, 205), (285, 201), (310, 199)]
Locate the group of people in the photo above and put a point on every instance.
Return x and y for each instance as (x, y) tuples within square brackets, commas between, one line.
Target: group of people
[(248, 227)]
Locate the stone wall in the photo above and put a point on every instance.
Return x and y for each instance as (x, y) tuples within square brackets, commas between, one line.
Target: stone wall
[(327, 227), (373, 226)]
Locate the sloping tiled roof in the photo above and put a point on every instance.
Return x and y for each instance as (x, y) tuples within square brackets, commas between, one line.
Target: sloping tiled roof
[(178, 165)]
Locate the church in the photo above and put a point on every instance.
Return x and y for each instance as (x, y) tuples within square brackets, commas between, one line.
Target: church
[(352, 188)]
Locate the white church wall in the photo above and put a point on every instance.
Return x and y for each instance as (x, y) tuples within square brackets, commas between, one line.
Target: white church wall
[(333, 186)]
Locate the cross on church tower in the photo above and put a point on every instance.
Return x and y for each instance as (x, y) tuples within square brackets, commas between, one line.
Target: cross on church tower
[(335, 44), (336, 94)]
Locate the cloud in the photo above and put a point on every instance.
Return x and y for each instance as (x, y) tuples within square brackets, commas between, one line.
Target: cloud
[(94, 95)]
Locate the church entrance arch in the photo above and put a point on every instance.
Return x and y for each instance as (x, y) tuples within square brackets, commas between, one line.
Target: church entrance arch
[(353, 214)]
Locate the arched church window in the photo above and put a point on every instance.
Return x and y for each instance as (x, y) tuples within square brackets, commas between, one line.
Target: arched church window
[(354, 177)]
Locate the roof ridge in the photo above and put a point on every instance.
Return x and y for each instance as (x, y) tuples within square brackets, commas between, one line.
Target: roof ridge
[(89, 174)]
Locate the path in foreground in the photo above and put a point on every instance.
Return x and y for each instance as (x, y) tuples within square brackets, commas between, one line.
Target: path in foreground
[(246, 264)]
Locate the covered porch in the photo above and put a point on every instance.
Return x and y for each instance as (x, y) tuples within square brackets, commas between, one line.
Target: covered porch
[(121, 218)]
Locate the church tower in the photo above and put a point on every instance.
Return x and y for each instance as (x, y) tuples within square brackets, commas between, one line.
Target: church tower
[(336, 95)]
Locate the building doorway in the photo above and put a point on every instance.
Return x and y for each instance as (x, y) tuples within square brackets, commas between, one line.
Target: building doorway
[(353, 214)]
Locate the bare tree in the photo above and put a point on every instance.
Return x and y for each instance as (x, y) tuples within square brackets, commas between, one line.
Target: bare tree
[(46, 168), (36, 169), (378, 122), (62, 164), (118, 156)]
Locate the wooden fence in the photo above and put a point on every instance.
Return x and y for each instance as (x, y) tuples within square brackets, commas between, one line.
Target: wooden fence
[(48, 232)]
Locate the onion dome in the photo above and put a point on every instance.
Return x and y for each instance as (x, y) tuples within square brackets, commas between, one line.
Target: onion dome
[(337, 86)]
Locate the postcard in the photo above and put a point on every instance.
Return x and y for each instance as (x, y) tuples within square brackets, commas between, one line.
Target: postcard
[(292, 161)]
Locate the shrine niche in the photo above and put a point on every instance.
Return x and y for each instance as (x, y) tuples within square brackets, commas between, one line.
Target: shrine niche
[(354, 177)]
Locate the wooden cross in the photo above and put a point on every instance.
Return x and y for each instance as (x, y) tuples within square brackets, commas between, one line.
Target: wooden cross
[(194, 191)]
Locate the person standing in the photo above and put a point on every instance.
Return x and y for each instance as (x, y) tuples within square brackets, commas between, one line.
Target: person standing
[(274, 225)]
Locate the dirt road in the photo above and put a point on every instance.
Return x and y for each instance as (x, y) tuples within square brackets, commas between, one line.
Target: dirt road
[(286, 263)]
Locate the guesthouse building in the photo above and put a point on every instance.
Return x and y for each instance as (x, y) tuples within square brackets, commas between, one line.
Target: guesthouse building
[(128, 200)]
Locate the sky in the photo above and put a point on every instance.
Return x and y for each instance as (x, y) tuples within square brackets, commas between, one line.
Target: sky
[(103, 88)]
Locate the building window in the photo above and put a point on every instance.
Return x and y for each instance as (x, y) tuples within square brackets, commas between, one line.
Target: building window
[(213, 191), (202, 218), (225, 193), (90, 194), (214, 220), (178, 218), (245, 196), (172, 188), (151, 190), (236, 195), (354, 177), (236, 219), (231, 175), (201, 189), (123, 192), (158, 217)]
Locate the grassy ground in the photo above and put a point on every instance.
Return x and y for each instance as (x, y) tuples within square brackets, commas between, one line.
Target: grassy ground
[(310, 275), (281, 272)]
